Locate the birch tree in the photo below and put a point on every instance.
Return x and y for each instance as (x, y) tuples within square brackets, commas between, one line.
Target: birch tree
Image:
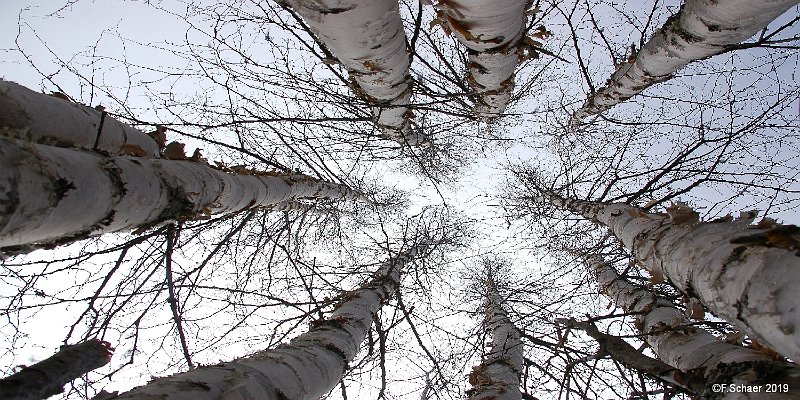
[(741, 272), (493, 32), (47, 377), (498, 375), (368, 39), (701, 29), (688, 348), (42, 186), (132, 188), (309, 366)]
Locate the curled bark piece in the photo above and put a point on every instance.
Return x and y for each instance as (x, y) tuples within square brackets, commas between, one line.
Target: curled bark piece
[(48, 377)]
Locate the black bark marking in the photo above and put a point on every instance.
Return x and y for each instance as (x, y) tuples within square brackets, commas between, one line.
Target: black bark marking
[(333, 323), (10, 201), (61, 186), (339, 352), (106, 221), (336, 10), (738, 255), (740, 305), (782, 236), (673, 24), (114, 174), (280, 395), (179, 208)]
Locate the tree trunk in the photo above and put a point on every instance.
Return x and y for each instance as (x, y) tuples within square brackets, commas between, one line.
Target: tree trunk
[(701, 29), (47, 378), (744, 274), (678, 343), (51, 195), (306, 368), (491, 30), (367, 37), (619, 350), (497, 377), (43, 119)]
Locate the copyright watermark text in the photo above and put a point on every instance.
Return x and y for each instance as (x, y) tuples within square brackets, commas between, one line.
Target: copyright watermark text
[(744, 388)]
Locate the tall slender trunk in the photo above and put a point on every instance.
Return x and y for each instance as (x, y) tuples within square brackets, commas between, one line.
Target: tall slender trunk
[(498, 376), (367, 37), (51, 195), (701, 29), (43, 119), (744, 274), (307, 367), (492, 31), (677, 342), (48, 377)]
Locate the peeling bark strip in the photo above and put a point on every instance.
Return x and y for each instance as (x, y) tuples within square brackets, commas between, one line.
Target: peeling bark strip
[(308, 367), (491, 30), (43, 119), (497, 377), (751, 283), (367, 37), (701, 29), (688, 348), (51, 195), (47, 378)]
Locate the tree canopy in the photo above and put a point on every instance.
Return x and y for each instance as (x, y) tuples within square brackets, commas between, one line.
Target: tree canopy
[(453, 135)]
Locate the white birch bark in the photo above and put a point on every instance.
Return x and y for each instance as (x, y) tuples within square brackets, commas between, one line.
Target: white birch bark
[(491, 30), (738, 275), (701, 29), (51, 195), (48, 377), (44, 119), (678, 343), (498, 376), (367, 38), (307, 367)]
